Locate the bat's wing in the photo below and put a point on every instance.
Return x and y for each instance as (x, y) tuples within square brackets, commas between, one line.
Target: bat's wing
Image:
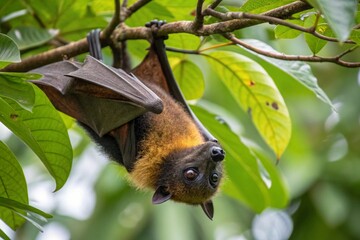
[(97, 95)]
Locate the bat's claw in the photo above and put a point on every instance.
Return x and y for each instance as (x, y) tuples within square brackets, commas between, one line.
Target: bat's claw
[(93, 39), (155, 23)]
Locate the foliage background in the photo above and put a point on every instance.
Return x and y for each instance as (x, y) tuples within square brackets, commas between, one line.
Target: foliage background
[(320, 166)]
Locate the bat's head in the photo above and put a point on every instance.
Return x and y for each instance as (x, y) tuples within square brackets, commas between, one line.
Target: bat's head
[(191, 176)]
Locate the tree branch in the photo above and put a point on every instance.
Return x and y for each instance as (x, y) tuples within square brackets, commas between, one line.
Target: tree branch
[(311, 30), (313, 58), (123, 32), (105, 34), (271, 20), (214, 28)]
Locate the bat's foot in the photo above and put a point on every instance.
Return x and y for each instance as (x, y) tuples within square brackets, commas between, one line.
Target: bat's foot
[(155, 23), (93, 39)]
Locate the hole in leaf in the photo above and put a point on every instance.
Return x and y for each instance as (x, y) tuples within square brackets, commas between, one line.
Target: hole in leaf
[(275, 106)]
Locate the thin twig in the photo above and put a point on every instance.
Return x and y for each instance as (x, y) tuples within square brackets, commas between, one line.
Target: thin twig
[(214, 4), (216, 46), (311, 30), (199, 18), (105, 34), (346, 52), (117, 52), (124, 4), (34, 14), (136, 6), (271, 20), (54, 55), (317, 18), (276, 55), (171, 49)]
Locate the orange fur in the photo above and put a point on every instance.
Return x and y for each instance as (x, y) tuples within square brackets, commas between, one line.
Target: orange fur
[(169, 131)]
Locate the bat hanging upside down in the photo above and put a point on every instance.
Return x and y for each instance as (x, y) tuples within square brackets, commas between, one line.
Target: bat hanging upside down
[(145, 124)]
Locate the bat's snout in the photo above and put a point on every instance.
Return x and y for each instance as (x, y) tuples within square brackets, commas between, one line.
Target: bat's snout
[(217, 154)]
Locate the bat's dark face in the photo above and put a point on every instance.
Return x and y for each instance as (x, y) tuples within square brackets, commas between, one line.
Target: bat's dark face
[(191, 175)]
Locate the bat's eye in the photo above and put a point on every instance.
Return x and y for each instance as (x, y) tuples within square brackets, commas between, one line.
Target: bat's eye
[(191, 174), (214, 179)]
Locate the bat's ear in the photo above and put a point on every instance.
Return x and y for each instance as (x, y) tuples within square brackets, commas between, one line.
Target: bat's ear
[(208, 209), (161, 195)]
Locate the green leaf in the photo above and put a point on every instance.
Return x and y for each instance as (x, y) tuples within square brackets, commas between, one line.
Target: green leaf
[(283, 32), (16, 87), (160, 10), (315, 44), (355, 36), (43, 131), (12, 186), (295, 70), (28, 36), (258, 6), (51, 13), (13, 15), (153, 10), (3, 235), (279, 194), (10, 203), (19, 208), (246, 184), (9, 52), (183, 41), (189, 78), (340, 15), (256, 93)]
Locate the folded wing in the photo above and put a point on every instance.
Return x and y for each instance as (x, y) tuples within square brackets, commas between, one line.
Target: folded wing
[(95, 94)]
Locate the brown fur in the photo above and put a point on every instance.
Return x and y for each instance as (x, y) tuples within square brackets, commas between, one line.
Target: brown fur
[(169, 131)]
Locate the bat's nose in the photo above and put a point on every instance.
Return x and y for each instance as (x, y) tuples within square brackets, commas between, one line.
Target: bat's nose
[(217, 154)]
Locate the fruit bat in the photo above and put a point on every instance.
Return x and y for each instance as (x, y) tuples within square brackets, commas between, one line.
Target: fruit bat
[(141, 120)]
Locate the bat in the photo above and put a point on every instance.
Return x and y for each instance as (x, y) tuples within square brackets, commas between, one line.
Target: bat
[(141, 120)]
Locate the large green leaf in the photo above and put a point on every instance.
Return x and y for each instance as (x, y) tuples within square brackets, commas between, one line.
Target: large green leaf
[(3, 235), (316, 44), (295, 70), (256, 93), (16, 87), (279, 194), (258, 6), (340, 15), (183, 41), (12, 186), (153, 10), (29, 36), (18, 209), (43, 131), (16, 205), (355, 36), (246, 184), (13, 15), (52, 12), (286, 32), (9, 52), (189, 78)]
